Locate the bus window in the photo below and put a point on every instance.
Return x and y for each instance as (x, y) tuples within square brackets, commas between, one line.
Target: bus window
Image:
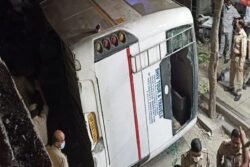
[(181, 79), (180, 37), (180, 47)]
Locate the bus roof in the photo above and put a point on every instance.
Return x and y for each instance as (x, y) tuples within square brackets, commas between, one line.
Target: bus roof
[(76, 19)]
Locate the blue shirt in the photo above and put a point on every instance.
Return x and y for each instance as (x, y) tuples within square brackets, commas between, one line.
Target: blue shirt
[(227, 19)]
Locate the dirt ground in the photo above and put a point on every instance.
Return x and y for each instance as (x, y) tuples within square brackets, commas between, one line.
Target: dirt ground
[(172, 155)]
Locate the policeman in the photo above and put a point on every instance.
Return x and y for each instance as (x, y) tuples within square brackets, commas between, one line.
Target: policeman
[(228, 15), (238, 60), (247, 63), (195, 157), (230, 151)]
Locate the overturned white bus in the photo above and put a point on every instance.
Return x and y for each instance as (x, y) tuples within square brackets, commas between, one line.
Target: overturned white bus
[(133, 84), (137, 77)]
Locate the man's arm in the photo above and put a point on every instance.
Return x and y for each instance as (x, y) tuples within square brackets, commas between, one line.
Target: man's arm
[(236, 13), (245, 153), (208, 160), (248, 47), (244, 48), (219, 156)]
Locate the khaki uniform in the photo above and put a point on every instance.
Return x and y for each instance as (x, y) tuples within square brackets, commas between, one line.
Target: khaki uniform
[(237, 61), (58, 159), (247, 63), (187, 160), (231, 157), (40, 124)]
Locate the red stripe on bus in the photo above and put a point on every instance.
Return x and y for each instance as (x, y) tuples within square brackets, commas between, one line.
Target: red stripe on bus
[(134, 105)]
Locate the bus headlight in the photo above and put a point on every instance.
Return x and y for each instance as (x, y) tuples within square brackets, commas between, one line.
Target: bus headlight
[(98, 47), (122, 37)]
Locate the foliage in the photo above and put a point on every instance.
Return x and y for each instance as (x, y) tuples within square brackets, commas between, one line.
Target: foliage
[(203, 58), (203, 87)]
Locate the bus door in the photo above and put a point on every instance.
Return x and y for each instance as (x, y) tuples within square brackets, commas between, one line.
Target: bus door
[(156, 81), (122, 100)]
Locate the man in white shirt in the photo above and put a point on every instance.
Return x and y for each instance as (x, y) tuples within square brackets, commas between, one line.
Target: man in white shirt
[(57, 157), (229, 13)]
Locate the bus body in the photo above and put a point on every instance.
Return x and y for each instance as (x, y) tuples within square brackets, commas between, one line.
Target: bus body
[(137, 77)]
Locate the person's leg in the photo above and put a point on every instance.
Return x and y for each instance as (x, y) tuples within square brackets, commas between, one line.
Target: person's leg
[(222, 43), (232, 74), (229, 39), (246, 74), (238, 79)]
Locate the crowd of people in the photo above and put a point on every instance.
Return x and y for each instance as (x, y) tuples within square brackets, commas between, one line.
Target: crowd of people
[(231, 153), (235, 46)]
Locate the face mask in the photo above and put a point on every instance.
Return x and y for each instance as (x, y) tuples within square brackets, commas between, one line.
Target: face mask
[(229, 6), (62, 145)]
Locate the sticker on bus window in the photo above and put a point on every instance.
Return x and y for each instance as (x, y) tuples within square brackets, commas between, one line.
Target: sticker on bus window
[(153, 92)]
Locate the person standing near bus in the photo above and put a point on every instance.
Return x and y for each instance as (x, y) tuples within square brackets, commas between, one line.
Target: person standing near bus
[(229, 150), (58, 159), (238, 60), (196, 156), (229, 13), (247, 62)]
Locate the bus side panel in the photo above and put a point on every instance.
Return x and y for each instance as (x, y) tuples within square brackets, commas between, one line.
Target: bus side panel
[(140, 104), (160, 129), (117, 107)]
